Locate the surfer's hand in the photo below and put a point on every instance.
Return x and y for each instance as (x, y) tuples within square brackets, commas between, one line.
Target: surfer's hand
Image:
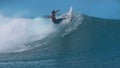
[(57, 10), (49, 16)]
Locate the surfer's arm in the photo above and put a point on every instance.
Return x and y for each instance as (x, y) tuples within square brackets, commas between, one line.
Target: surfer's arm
[(49, 16), (57, 10)]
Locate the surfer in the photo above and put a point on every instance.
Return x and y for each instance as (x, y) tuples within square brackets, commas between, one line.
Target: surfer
[(53, 17)]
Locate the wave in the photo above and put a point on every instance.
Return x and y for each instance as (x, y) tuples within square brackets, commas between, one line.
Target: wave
[(19, 34), (83, 39)]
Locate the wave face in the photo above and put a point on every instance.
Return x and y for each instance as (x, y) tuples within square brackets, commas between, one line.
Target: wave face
[(85, 42)]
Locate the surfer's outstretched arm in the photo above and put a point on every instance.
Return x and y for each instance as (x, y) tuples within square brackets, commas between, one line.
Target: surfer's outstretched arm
[(49, 16), (57, 10)]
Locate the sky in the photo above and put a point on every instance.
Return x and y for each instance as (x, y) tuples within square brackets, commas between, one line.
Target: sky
[(108, 9)]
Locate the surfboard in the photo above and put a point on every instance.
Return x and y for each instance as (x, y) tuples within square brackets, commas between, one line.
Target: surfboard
[(66, 18), (69, 14)]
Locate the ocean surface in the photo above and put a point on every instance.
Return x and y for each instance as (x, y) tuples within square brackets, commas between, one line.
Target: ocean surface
[(84, 42)]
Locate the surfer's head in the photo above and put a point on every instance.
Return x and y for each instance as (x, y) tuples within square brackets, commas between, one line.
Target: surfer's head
[(53, 12)]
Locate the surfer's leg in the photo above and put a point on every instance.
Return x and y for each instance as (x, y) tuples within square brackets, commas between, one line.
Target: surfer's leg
[(65, 16), (59, 20)]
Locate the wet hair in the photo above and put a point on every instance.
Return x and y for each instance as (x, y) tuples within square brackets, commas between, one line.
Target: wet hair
[(53, 12)]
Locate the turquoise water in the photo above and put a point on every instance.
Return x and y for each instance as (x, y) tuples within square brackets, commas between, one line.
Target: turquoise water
[(85, 42)]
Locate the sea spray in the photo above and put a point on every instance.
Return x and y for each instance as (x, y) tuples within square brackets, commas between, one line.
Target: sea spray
[(16, 32)]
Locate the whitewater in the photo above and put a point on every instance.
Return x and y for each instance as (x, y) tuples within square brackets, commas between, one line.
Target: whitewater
[(16, 32)]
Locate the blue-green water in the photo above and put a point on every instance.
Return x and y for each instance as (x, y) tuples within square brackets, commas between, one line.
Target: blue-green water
[(86, 42)]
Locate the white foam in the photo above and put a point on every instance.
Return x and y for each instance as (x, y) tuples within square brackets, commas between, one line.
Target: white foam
[(16, 32)]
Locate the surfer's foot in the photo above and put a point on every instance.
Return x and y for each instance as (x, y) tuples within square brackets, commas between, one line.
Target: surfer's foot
[(67, 16)]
